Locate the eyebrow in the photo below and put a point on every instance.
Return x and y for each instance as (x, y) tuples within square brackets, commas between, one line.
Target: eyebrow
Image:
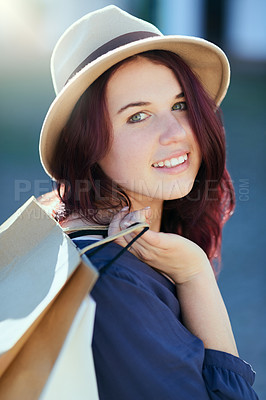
[(143, 103), (137, 104), (180, 95)]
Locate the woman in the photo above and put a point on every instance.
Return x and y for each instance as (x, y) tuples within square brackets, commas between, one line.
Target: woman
[(134, 135)]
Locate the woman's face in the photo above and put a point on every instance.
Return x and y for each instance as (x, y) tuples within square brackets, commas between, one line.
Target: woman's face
[(154, 154)]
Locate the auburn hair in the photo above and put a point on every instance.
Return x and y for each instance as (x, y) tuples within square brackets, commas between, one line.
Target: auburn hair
[(86, 138)]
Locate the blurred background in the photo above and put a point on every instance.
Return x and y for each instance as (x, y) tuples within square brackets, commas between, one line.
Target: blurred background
[(28, 31)]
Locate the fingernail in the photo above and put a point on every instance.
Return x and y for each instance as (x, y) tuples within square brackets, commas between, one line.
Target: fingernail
[(127, 223), (125, 208), (147, 208)]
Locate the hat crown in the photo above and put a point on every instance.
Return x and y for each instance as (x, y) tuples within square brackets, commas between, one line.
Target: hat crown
[(87, 35)]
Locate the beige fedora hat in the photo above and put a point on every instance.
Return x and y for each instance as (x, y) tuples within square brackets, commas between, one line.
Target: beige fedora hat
[(101, 39)]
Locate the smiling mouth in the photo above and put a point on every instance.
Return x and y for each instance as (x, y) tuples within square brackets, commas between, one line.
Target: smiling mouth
[(172, 162)]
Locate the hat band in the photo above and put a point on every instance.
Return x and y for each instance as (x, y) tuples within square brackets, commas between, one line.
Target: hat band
[(112, 45)]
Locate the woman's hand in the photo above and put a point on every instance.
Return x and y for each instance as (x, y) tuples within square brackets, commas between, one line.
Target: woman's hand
[(177, 257)]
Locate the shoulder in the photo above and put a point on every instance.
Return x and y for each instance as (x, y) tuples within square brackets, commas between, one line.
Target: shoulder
[(126, 270)]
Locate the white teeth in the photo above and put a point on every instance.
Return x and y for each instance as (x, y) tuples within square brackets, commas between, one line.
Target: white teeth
[(173, 162)]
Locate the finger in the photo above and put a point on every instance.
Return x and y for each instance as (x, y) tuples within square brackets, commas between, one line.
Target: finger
[(142, 215), (114, 226), (141, 248), (135, 248), (149, 239), (128, 219), (160, 240)]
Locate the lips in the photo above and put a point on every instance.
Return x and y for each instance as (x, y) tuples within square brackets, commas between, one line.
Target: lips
[(171, 162)]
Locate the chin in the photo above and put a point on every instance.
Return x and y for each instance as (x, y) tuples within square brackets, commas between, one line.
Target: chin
[(178, 191)]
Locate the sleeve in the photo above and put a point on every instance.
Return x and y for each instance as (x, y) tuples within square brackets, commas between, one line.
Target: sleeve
[(228, 377)]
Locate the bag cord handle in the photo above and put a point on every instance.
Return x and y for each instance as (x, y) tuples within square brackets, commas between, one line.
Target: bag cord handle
[(102, 243)]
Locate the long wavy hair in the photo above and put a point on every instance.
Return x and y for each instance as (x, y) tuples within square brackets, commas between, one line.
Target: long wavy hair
[(86, 138)]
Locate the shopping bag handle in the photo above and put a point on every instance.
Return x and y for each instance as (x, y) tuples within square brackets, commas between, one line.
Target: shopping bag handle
[(98, 245), (132, 228)]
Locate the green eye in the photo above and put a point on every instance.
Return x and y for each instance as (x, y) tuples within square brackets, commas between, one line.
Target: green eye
[(181, 105), (140, 116)]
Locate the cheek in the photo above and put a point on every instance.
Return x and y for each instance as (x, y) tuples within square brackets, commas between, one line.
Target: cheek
[(124, 159)]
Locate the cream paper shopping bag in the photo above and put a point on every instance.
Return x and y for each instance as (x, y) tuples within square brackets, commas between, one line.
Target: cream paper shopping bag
[(46, 316)]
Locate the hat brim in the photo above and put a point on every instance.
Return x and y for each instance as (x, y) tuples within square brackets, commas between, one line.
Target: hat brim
[(206, 60)]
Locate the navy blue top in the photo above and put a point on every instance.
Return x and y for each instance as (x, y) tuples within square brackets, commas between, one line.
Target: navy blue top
[(141, 349)]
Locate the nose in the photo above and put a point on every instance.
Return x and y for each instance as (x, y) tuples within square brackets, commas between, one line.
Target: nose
[(172, 130)]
